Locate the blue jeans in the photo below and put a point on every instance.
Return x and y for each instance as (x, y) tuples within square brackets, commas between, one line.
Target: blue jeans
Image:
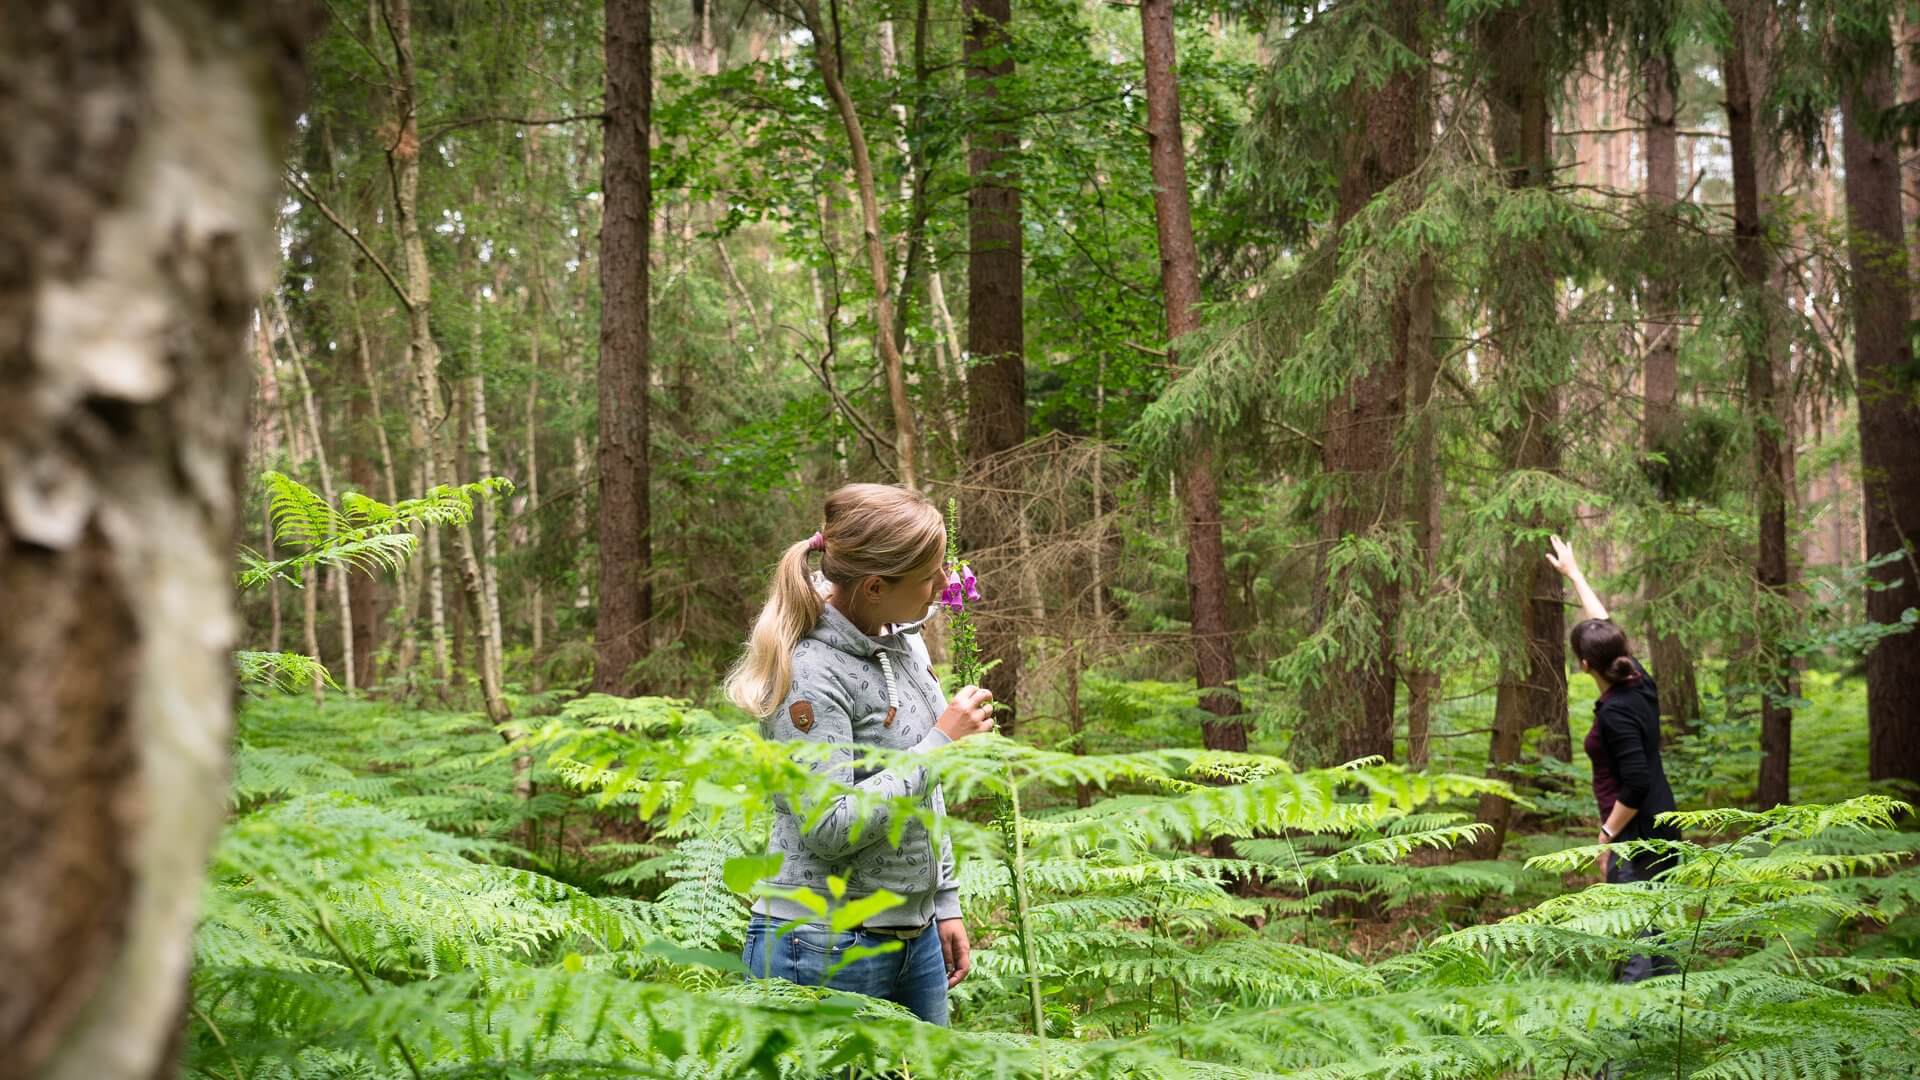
[(914, 975)]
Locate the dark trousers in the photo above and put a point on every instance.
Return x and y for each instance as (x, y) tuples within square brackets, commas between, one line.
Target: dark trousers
[(1621, 871)]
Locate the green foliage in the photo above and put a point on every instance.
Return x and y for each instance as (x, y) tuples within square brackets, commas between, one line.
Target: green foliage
[(347, 933), (404, 893), (361, 534)]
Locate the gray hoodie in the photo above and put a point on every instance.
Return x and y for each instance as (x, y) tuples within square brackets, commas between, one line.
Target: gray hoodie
[(850, 688)]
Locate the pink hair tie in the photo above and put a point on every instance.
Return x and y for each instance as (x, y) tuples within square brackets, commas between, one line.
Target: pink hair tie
[(817, 542)]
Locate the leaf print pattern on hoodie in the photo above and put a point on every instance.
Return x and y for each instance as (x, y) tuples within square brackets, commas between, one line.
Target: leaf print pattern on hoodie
[(839, 696)]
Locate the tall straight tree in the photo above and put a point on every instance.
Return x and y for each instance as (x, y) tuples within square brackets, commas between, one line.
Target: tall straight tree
[(1743, 70), (1889, 392), (139, 236), (1365, 487), (1515, 43), (625, 526), (996, 333), (1660, 373), (1180, 284)]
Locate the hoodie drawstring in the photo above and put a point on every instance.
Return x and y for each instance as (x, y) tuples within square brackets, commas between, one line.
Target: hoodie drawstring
[(893, 695)]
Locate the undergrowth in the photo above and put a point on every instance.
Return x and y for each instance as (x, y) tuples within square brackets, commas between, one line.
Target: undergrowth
[(382, 905)]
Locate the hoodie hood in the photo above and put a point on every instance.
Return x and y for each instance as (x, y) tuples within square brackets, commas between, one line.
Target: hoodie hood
[(837, 632)]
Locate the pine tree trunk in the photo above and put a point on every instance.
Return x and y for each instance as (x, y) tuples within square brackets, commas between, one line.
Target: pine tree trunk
[(571, 367), (1889, 394), (1672, 663), (1754, 264), (1362, 423), (1533, 679), (1423, 368), (1180, 283), (1909, 64), (139, 235), (996, 347), (625, 525)]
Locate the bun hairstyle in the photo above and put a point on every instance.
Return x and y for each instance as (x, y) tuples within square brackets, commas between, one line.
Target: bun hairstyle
[(867, 530), (1603, 647)]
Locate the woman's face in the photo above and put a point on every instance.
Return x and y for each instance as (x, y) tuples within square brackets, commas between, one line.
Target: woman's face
[(904, 599)]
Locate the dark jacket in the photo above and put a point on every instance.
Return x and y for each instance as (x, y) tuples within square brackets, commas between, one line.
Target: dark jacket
[(1627, 722)]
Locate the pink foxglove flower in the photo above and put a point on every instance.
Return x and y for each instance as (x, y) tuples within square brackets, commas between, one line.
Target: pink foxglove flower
[(961, 587)]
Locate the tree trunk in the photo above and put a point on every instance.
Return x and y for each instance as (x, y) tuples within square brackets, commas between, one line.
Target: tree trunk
[(625, 526), (361, 610), (1423, 368), (388, 474), (1357, 453), (1889, 393), (310, 625), (269, 435), (572, 365), (486, 513), (436, 583), (996, 346), (1754, 264), (536, 596), (139, 234), (342, 592), (1533, 679), (1180, 282), (1672, 663), (826, 55), (403, 162)]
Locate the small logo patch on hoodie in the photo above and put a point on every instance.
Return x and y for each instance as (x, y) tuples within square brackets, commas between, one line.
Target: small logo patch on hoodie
[(801, 713)]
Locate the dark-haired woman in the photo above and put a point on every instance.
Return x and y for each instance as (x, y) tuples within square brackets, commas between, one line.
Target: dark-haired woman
[(1629, 782)]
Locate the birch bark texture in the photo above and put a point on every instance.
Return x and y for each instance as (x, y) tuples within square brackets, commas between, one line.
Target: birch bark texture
[(136, 237)]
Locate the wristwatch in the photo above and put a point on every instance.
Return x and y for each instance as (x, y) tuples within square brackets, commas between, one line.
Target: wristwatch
[(1611, 837)]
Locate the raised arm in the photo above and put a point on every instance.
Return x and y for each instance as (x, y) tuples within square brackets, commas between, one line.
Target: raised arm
[(1561, 559)]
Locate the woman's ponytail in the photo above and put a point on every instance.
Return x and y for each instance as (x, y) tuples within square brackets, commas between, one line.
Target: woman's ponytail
[(866, 530), (759, 681)]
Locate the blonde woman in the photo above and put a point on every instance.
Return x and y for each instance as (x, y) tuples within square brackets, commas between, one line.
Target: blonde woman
[(838, 659)]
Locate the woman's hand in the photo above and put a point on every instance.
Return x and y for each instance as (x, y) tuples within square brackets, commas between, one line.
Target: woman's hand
[(955, 947), (1561, 558), (970, 713), (1606, 857)]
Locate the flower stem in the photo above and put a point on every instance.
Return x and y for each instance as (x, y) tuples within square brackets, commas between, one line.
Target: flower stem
[(1018, 869)]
